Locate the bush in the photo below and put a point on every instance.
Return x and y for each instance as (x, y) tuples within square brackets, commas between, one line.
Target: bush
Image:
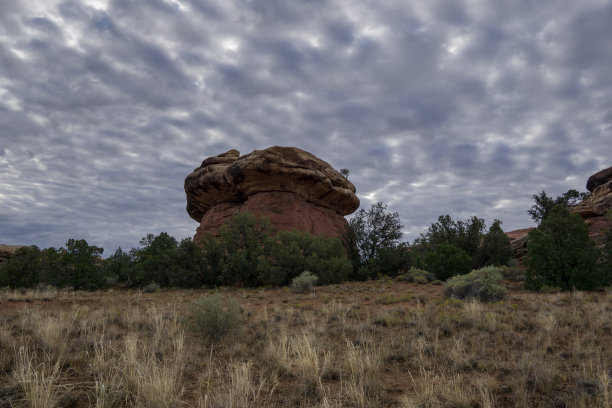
[(560, 254), (448, 260), (482, 284), (304, 283), (415, 273), (214, 317), (150, 288), (514, 273), (421, 280)]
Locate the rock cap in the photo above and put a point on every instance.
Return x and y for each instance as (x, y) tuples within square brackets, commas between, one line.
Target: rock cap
[(599, 178), (229, 177)]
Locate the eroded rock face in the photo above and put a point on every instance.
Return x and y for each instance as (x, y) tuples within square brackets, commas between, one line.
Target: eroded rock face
[(7, 251), (292, 187), (518, 241), (594, 209)]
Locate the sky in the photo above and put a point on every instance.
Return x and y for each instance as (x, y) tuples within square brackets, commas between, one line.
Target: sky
[(436, 107)]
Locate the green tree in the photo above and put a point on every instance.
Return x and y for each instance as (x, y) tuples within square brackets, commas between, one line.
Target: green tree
[(22, 270), (495, 248), (82, 265), (188, 270), (290, 253), (560, 254), (466, 235), (242, 238), (154, 259), (447, 260), (119, 265), (544, 204), (213, 254), (79, 265), (52, 271), (389, 262), (372, 230)]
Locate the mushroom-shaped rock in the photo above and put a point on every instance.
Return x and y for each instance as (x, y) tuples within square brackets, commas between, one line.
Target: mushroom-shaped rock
[(292, 187)]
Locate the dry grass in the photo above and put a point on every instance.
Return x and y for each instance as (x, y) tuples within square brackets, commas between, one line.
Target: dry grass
[(343, 347)]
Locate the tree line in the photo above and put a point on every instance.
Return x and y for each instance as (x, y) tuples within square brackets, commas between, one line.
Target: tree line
[(245, 252)]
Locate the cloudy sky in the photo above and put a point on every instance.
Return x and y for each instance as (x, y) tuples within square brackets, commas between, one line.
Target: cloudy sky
[(436, 107)]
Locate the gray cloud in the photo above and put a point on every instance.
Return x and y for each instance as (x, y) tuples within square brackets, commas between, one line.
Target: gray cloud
[(436, 107)]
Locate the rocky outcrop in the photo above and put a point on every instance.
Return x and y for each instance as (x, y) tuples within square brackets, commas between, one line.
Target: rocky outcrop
[(292, 187), (7, 251), (595, 208), (518, 241)]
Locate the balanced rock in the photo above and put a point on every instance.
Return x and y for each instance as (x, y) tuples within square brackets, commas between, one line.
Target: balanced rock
[(594, 208), (293, 188)]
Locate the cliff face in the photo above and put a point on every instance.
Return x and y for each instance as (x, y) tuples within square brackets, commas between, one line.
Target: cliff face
[(292, 187), (594, 210)]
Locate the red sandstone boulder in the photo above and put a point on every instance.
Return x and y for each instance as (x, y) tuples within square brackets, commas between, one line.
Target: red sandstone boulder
[(7, 251), (595, 208), (518, 241), (292, 187)]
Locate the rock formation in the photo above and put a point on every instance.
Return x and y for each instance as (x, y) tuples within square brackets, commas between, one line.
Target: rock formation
[(292, 187), (7, 251), (594, 209), (518, 241)]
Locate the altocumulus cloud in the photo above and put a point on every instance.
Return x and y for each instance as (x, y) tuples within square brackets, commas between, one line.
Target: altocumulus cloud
[(463, 107)]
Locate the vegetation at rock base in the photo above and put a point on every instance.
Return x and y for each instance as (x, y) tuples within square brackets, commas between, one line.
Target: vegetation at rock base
[(246, 253)]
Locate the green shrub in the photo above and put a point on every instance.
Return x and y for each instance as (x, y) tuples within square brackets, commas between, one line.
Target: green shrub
[(304, 283), (421, 280), (150, 288), (214, 317), (513, 273), (414, 272), (448, 260), (417, 273), (482, 284), (550, 289)]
